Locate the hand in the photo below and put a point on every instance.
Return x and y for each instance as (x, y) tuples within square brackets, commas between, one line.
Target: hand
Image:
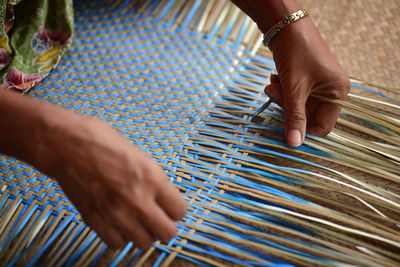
[(120, 192), (305, 65)]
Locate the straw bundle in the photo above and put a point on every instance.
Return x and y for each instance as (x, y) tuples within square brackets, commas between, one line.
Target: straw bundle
[(180, 79)]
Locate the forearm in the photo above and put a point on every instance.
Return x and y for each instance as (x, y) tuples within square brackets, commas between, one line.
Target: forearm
[(17, 124), (267, 13), (23, 122), (102, 173)]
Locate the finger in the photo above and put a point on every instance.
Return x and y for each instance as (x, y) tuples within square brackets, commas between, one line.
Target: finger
[(171, 201), (106, 231), (324, 119), (295, 115), (274, 91), (131, 228), (158, 223), (166, 195)]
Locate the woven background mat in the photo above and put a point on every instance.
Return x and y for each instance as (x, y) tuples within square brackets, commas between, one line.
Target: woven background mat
[(363, 34)]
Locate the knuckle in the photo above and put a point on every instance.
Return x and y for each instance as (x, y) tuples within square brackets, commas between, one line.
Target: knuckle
[(326, 130), (341, 86), (139, 208), (295, 116), (323, 131), (137, 174), (134, 195), (148, 170)]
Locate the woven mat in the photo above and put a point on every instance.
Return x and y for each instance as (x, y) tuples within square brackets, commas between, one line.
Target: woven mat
[(183, 93)]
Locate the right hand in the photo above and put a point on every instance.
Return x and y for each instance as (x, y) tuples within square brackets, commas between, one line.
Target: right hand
[(120, 192), (306, 66)]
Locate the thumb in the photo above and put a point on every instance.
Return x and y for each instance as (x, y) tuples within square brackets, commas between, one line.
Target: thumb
[(294, 103)]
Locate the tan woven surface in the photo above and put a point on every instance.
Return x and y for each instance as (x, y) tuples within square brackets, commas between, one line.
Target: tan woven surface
[(363, 34)]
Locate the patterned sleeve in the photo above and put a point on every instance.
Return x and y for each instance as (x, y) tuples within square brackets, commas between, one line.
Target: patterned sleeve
[(34, 34)]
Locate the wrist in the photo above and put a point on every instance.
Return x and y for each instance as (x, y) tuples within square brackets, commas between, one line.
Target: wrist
[(272, 11), (31, 130), (17, 124), (58, 137), (296, 34), (41, 121), (266, 13)]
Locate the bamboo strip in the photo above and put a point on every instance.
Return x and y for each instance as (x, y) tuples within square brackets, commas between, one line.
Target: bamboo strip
[(60, 244), (63, 255), (194, 256), (323, 230)]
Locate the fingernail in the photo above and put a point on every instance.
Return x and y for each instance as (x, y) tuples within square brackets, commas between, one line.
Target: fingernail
[(294, 138)]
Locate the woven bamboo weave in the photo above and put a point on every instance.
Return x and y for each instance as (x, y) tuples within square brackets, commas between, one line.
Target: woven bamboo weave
[(180, 79)]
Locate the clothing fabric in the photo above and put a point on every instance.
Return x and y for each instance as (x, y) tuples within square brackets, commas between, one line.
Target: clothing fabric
[(34, 34)]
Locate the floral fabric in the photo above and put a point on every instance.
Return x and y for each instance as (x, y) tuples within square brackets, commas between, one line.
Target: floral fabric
[(34, 34)]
